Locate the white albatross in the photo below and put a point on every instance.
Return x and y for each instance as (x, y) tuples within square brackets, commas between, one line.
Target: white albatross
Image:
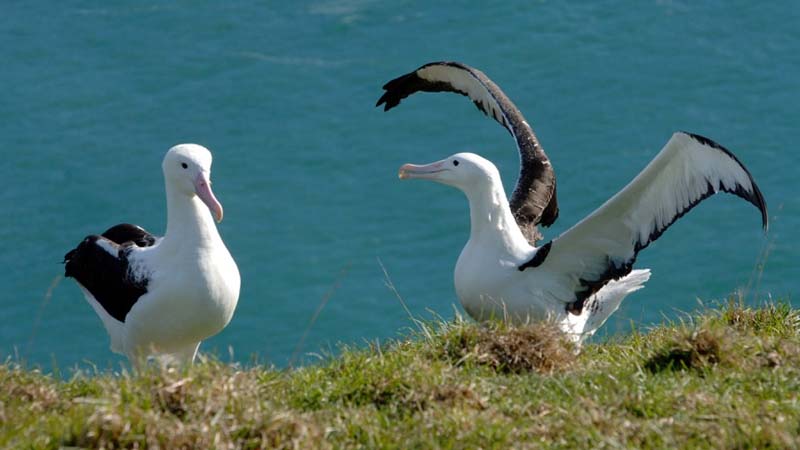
[(162, 296), (582, 289), (579, 278)]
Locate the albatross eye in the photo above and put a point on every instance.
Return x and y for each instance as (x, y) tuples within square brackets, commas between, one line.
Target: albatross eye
[(455, 162), (184, 165)]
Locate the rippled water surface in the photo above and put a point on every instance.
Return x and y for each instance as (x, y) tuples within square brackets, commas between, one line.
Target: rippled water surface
[(284, 94)]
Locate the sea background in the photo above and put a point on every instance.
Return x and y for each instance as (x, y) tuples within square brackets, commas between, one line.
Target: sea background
[(283, 93)]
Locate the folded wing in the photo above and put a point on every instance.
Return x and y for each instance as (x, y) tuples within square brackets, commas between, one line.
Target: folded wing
[(100, 264)]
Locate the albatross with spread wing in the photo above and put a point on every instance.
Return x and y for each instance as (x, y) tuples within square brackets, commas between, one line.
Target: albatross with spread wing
[(579, 278)]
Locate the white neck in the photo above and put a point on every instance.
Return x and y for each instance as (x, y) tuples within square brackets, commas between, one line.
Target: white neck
[(491, 220), (189, 222)]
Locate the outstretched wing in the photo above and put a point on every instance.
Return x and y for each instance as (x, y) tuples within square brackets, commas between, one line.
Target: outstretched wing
[(604, 245), (534, 200)]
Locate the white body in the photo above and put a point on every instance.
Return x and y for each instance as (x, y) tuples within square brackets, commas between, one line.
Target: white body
[(193, 281), (183, 307)]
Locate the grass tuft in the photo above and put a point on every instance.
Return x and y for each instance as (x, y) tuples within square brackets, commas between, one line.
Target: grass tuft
[(698, 350), (538, 347), (773, 318)]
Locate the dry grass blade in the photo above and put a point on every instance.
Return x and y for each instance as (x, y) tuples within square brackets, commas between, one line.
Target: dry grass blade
[(320, 307), (421, 326)]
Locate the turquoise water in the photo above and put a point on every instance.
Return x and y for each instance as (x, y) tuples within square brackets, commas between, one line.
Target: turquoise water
[(283, 94)]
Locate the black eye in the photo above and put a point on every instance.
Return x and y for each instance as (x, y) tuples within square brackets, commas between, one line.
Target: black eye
[(455, 162), (184, 165)]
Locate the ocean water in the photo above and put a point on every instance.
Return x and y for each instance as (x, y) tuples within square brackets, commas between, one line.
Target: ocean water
[(283, 93)]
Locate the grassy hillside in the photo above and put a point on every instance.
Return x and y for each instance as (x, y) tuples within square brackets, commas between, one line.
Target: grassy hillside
[(727, 378)]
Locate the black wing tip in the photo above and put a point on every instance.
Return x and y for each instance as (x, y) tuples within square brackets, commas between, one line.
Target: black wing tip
[(389, 100), (755, 197), (381, 101), (67, 258), (70, 255), (706, 141), (398, 88)]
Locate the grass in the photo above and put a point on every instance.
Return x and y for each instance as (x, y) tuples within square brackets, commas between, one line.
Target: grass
[(721, 378)]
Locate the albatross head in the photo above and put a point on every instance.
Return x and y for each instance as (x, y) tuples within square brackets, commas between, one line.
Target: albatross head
[(465, 171), (187, 168)]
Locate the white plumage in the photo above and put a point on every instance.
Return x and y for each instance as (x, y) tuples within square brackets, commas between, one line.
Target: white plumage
[(162, 296), (579, 278)]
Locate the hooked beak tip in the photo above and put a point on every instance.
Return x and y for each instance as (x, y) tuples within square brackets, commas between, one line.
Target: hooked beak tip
[(203, 190), (407, 171)]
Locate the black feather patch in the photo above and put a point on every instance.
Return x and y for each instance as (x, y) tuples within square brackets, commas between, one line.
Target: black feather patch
[(106, 276), (126, 232), (538, 258), (614, 271)]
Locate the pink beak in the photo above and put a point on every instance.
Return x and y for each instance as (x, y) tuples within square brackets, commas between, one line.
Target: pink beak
[(427, 171), (202, 187)]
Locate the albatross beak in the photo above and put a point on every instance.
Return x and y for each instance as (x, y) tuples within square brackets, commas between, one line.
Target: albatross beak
[(427, 171), (202, 187)]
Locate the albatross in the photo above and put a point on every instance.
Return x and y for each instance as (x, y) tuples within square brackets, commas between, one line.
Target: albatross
[(161, 296), (579, 278)]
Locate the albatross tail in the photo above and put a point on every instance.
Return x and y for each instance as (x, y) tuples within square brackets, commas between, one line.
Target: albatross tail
[(601, 305)]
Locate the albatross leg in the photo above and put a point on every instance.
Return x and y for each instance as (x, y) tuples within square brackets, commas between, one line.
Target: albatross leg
[(179, 358), (184, 356)]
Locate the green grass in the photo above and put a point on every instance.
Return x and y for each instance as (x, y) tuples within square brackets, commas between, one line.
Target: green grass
[(722, 378)]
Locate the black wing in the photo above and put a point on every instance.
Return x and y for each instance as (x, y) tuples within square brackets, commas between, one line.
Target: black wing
[(533, 201), (100, 264)]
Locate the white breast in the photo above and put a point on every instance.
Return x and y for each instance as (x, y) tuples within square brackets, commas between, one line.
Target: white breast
[(190, 298), (485, 280)]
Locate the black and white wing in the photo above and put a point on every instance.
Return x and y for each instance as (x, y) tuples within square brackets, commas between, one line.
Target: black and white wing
[(533, 201), (100, 264), (604, 245)]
